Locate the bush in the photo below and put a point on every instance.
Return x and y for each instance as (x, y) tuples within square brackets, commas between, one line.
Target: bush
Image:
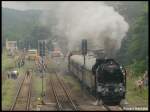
[(139, 67)]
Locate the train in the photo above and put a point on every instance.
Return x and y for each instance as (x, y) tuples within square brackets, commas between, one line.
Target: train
[(104, 78)]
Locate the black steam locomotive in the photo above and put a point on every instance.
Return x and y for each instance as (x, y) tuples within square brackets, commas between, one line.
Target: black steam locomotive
[(105, 78)]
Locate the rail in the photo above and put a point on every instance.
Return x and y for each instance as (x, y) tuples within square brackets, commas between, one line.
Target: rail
[(19, 91), (66, 92), (61, 97)]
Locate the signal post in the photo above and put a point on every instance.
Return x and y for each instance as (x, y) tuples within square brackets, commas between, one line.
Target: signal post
[(84, 52), (42, 53)]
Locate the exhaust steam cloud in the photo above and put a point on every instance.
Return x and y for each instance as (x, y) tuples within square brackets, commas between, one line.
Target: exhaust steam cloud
[(100, 24)]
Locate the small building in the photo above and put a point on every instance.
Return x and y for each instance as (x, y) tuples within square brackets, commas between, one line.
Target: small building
[(11, 45)]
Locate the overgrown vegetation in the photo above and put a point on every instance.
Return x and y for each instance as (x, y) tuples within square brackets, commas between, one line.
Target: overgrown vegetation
[(8, 93), (37, 85), (134, 49), (8, 63), (136, 96)]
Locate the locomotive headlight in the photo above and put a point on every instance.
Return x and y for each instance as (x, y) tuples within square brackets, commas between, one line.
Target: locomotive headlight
[(121, 89), (121, 67)]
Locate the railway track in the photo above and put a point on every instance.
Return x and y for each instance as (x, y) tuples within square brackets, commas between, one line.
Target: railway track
[(61, 94), (23, 96)]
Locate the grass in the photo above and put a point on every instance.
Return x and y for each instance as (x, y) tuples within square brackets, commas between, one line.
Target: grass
[(8, 85), (7, 62), (37, 85), (51, 65), (136, 97), (71, 80), (8, 93)]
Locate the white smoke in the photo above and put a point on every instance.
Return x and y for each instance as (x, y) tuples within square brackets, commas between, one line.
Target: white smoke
[(100, 24)]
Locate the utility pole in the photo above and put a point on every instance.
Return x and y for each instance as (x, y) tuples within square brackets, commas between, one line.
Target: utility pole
[(84, 52), (41, 50)]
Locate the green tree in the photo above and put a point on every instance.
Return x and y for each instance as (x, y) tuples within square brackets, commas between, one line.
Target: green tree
[(134, 49)]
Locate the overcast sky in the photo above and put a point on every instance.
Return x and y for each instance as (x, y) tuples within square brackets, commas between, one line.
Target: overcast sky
[(24, 5)]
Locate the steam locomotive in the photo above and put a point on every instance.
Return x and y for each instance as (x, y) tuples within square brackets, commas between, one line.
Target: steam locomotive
[(104, 78)]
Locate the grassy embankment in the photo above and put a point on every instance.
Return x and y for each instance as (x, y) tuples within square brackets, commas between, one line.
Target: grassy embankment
[(136, 97), (8, 85)]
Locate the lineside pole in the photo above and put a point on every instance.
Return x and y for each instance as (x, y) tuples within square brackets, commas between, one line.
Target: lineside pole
[(84, 52), (83, 71), (42, 78), (41, 51)]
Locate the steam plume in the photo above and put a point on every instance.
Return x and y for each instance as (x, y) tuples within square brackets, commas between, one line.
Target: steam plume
[(100, 24)]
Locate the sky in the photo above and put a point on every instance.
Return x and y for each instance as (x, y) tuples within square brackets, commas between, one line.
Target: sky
[(25, 5)]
